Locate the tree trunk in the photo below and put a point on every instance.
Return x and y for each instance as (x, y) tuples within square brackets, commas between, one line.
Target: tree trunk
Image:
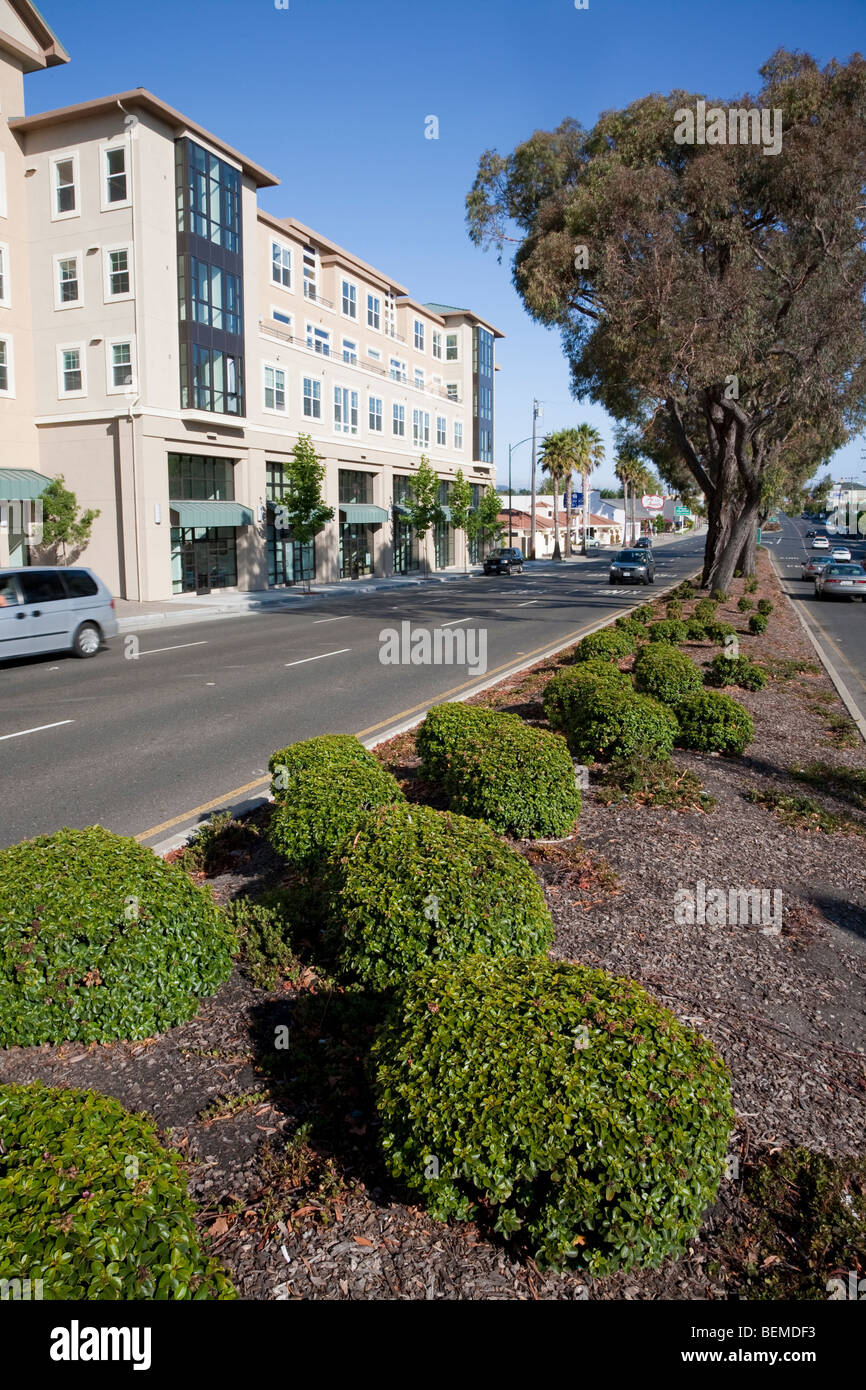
[(728, 552), (557, 554), (568, 515), (583, 480), (624, 515), (746, 559)]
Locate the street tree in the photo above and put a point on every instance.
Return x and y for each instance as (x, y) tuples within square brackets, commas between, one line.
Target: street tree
[(484, 523), (460, 502), (302, 509), (65, 529), (423, 508), (556, 461)]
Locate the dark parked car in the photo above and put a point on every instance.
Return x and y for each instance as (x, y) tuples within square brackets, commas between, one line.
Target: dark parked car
[(643, 543), (507, 561), (633, 567)]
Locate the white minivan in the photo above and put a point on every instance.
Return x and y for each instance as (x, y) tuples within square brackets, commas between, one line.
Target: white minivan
[(53, 609)]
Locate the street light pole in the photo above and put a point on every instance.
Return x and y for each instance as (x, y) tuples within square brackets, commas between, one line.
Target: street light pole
[(536, 411), (511, 449)]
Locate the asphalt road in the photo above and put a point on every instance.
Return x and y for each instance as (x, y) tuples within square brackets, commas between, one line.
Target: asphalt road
[(149, 746), (839, 624)]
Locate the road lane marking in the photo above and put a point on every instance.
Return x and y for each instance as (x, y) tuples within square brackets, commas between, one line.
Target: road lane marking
[(305, 659), (37, 730), (452, 622), (153, 650), (341, 619), (528, 603)]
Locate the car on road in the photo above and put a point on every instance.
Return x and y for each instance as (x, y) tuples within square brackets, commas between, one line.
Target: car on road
[(52, 608), (841, 581), (633, 567), (644, 543), (813, 566), (509, 560), (840, 553), (820, 543)]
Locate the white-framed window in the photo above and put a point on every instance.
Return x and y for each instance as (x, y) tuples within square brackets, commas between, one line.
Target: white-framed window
[(118, 273), (458, 434), (64, 186), (281, 265), (398, 423), (7, 368), (120, 365), (375, 404), (68, 287), (5, 280), (451, 391), (350, 352), (419, 335), (4, 207), (420, 429), (345, 410), (441, 431), (437, 344), (452, 347), (419, 378), (311, 272), (374, 354), (71, 370), (275, 389), (280, 316), (318, 340), (116, 191), (396, 369), (349, 299), (374, 312), (312, 398)]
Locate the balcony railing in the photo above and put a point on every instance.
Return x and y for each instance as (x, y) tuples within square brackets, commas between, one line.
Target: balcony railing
[(317, 298), (367, 365)]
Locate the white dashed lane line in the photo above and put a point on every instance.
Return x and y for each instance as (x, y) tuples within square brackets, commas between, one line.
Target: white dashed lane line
[(321, 657), (38, 730)]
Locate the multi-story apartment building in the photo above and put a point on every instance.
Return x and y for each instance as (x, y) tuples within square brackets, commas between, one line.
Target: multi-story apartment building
[(164, 340)]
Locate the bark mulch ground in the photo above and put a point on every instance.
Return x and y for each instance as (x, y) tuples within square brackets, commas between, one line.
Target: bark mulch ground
[(282, 1145)]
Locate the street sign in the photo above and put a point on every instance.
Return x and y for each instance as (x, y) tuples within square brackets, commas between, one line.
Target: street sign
[(651, 503), (681, 511), (576, 500)]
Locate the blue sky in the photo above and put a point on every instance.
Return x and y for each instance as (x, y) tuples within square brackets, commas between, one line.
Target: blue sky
[(332, 96)]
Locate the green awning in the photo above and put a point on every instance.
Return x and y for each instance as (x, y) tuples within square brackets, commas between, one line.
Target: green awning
[(21, 484), (212, 514), (359, 513)]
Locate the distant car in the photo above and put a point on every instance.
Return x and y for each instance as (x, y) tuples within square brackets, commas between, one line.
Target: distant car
[(812, 567), (820, 543), (840, 552), (633, 567), (811, 533), (643, 543), (841, 581), (506, 561), (53, 609)]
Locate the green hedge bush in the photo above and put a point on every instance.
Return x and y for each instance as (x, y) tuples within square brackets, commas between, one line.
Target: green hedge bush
[(519, 779), (720, 595), (739, 670), (644, 614), (665, 673), (673, 608), (745, 604), (750, 584), (93, 1205), (695, 630), (684, 590), (604, 721), (565, 1102), (320, 787), (414, 885), (717, 632), (609, 644), (669, 630), (632, 625), (100, 939), (714, 723), (567, 691), (765, 607), (758, 623), (705, 610)]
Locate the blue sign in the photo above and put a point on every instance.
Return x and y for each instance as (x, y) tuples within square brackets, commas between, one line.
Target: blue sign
[(576, 500)]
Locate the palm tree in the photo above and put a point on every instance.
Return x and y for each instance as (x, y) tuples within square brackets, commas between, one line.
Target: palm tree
[(588, 453), (630, 472), (557, 461)]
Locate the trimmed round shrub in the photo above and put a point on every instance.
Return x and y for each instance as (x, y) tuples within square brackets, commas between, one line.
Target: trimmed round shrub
[(644, 614), (758, 623), (714, 723), (100, 939), (695, 630), (720, 595), (609, 643), (684, 590), (567, 690), (632, 625), (519, 779), (750, 584), (745, 604), (765, 607), (321, 786), (738, 670), (668, 630), (665, 673), (717, 632), (441, 729), (413, 885), (605, 722), (562, 1100), (92, 1204), (705, 610), (673, 608)]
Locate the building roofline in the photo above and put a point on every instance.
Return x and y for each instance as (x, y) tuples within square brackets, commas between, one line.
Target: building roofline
[(291, 224), (53, 52), (146, 101), (410, 303), (451, 310)]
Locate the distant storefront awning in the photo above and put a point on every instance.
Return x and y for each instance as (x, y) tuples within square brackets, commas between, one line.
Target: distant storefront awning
[(211, 514), (21, 484), (361, 513)]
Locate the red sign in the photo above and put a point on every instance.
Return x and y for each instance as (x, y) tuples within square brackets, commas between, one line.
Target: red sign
[(651, 503)]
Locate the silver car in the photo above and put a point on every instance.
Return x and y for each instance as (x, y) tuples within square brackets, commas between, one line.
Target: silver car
[(54, 609), (841, 581)]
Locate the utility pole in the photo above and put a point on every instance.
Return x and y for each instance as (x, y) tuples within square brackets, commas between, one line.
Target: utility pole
[(510, 507), (536, 411)]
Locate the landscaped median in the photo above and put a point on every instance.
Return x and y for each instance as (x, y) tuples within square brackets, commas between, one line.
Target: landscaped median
[(575, 967)]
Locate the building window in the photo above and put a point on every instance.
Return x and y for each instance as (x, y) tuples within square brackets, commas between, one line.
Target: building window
[(397, 369), (7, 379), (203, 558), (451, 391), (458, 434), (318, 340), (374, 311), (210, 296), (115, 186), (5, 283), (275, 389), (211, 380), (353, 485), (349, 294), (312, 398), (64, 186), (350, 352), (280, 316), (121, 365), (67, 285), (376, 414), (419, 378), (118, 273), (437, 343), (420, 429), (212, 206), (194, 478), (399, 421), (419, 336), (311, 273), (281, 265), (374, 354), (391, 316), (70, 369), (345, 410), (441, 431), (452, 350)]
